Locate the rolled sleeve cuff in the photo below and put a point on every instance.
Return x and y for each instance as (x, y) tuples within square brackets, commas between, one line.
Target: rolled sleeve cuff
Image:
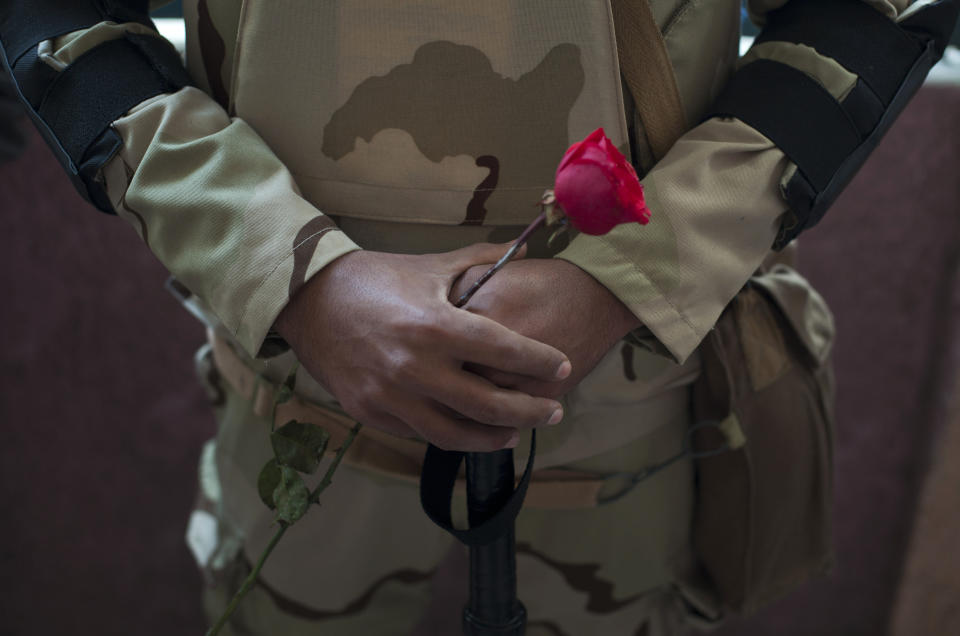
[(715, 207), (623, 276), (273, 293)]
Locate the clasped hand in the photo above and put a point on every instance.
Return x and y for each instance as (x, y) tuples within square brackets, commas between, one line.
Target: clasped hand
[(378, 331)]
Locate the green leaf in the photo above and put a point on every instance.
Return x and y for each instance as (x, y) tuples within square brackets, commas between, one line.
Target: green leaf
[(299, 445), (268, 481), (291, 496)]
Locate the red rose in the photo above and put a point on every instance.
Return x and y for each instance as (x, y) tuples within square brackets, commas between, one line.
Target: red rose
[(597, 188)]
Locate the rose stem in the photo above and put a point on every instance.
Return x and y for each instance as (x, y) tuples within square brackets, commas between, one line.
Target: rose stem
[(467, 295), (252, 577)]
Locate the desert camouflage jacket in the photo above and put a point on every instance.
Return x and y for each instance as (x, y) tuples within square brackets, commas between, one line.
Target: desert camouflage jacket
[(228, 218)]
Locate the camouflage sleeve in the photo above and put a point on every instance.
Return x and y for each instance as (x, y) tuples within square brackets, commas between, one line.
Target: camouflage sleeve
[(717, 207), (211, 201)]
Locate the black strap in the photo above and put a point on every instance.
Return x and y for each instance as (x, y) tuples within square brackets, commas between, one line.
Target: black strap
[(106, 82), (437, 481), (934, 23), (26, 23), (34, 77), (864, 107), (829, 140), (859, 37), (794, 112)]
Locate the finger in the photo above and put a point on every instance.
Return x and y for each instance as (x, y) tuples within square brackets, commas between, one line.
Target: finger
[(477, 339), (448, 432), (499, 378), (383, 421), (479, 400), (519, 383), (459, 261)]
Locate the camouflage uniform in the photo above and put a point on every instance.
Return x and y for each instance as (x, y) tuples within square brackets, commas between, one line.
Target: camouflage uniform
[(222, 201)]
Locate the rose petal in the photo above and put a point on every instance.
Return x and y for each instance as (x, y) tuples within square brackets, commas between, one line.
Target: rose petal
[(597, 188), (595, 137)]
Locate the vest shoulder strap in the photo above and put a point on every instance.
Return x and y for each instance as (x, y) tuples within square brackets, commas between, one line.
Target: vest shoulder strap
[(648, 73)]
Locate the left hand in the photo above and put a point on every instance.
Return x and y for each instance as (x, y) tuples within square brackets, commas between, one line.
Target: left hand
[(555, 302)]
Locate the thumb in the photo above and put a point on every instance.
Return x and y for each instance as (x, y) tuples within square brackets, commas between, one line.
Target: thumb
[(458, 261)]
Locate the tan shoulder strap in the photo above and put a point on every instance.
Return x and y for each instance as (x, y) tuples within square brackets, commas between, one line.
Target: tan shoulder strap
[(646, 68)]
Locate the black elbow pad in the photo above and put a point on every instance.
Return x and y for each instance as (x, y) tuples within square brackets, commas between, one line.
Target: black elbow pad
[(73, 108), (830, 140)]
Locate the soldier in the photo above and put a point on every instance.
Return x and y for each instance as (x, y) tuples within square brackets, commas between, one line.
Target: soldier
[(324, 173)]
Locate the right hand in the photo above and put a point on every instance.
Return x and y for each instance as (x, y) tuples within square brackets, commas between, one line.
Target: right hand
[(377, 331)]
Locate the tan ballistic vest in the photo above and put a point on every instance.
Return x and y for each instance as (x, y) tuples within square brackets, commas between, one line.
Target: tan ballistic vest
[(432, 111), (439, 114)]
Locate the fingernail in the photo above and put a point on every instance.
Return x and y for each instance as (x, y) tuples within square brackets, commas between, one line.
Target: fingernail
[(564, 370), (514, 440), (556, 417)]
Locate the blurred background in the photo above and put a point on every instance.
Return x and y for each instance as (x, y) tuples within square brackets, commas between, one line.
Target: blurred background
[(103, 421)]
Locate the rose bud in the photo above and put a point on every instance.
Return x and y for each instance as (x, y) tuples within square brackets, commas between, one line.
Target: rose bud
[(597, 188)]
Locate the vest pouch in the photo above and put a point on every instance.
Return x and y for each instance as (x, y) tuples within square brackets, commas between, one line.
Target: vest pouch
[(427, 111), (762, 522)]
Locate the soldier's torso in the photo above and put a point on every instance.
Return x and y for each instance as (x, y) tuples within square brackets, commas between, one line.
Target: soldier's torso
[(427, 125), (447, 117)]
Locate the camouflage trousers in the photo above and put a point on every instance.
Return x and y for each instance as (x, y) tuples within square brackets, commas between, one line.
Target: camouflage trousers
[(363, 562)]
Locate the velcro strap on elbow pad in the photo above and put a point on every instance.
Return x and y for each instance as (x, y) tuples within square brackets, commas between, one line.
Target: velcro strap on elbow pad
[(26, 23), (103, 84), (829, 140), (74, 108)]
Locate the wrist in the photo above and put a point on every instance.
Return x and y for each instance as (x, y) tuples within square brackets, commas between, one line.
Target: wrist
[(626, 321), (601, 301), (302, 309)]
